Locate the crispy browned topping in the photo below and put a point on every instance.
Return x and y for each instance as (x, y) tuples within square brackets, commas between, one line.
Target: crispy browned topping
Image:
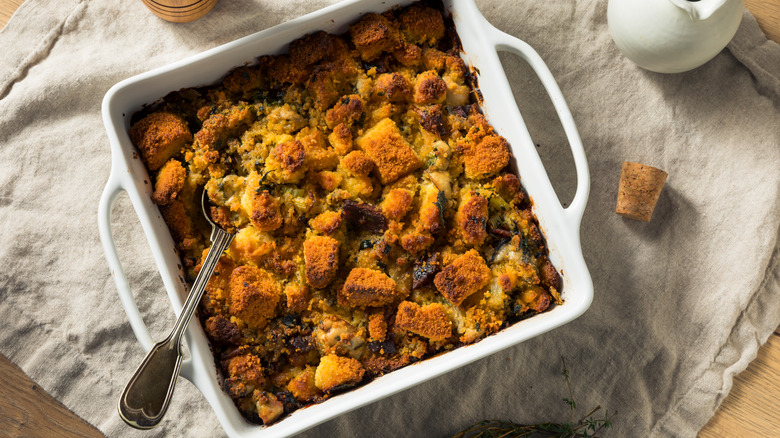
[(321, 254), (508, 186), (341, 139), (222, 331), (429, 88), (391, 153), (160, 136), (170, 181), (472, 218), (265, 215), (334, 371), (463, 277), (327, 222), (377, 326), (485, 158), (397, 203), (311, 48), (430, 320), (347, 110), (178, 220), (253, 295), (421, 25), (367, 287), (219, 126), (372, 35), (393, 87), (357, 163), (303, 386)]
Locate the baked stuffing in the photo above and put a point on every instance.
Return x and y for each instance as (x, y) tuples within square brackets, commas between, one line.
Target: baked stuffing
[(377, 219)]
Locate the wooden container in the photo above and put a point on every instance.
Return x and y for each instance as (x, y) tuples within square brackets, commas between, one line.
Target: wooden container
[(640, 187), (180, 11)]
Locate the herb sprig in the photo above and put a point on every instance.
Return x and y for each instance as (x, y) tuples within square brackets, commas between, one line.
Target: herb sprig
[(587, 426)]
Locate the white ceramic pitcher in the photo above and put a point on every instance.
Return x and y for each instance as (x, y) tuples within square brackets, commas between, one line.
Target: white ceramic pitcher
[(672, 36)]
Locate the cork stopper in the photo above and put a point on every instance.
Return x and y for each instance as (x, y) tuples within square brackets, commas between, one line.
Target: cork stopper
[(640, 187), (180, 11)]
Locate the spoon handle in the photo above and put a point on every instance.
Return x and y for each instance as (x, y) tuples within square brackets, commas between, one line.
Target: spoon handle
[(145, 399)]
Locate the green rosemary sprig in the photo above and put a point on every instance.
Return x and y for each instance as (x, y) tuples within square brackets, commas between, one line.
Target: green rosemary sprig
[(585, 427)]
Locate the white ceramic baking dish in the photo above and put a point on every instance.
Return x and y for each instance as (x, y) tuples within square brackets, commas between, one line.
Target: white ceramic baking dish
[(480, 41)]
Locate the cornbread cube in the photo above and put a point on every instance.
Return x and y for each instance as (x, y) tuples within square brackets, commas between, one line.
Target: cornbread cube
[(471, 218), (397, 203), (219, 126), (311, 48), (372, 35), (463, 277), (170, 181), (377, 326), (430, 320), (348, 110), (334, 371), (484, 158), (393, 87), (160, 136), (254, 294), (321, 255), (264, 211), (327, 222), (367, 287), (303, 386), (286, 161), (391, 153), (421, 25), (429, 88), (341, 139)]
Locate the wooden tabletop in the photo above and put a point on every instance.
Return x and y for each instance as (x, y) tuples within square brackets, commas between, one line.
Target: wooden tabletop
[(750, 410)]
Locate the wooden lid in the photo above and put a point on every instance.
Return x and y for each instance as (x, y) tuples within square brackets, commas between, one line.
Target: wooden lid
[(180, 11)]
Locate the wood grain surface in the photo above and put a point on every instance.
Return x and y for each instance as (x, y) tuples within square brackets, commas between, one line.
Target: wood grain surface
[(750, 410)]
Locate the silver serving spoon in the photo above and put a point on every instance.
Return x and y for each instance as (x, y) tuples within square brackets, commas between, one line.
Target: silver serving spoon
[(146, 397)]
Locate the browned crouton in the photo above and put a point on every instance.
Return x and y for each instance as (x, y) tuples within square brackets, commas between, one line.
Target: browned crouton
[(393, 87), (248, 369), (408, 55), (334, 371), (265, 214), (253, 295), (328, 180), (484, 158), (397, 203), (170, 181), (315, 145), (429, 88), (311, 48), (391, 153), (463, 277), (222, 331), (471, 218), (286, 161), (341, 139), (434, 59), (159, 137), (303, 387), (377, 327), (372, 35), (243, 79), (298, 297), (508, 186), (416, 242), (329, 81), (431, 118), (327, 222), (282, 70), (421, 25), (321, 255), (430, 320), (535, 298), (549, 276), (348, 110), (357, 163), (367, 287), (219, 126), (178, 220)]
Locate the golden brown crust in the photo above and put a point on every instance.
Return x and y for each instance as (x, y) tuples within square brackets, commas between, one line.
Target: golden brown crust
[(265, 214), (429, 88), (298, 297), (341, 139), (463, 277), (367, 287), (421, 25), (471, 219), (160, 136), (170, 181), (549, 276), (348, 110), (222, 331), (334, 371), (393, 87), (372, 35), (357, 163), (248, 369), (377, 327), (430, 320), (302, 386), (391, 153), (254, 294), (485, 158), (290, 155), (326, 223), (321, 255), (508, 186), (219, 126), (311, 48), (178, 220), (396, 204)]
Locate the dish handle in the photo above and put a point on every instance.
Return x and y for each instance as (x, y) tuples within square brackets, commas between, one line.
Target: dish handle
[(507, 43), (114, 187)]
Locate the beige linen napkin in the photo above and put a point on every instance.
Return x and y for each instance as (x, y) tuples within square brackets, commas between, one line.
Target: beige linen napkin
[(681, 303)]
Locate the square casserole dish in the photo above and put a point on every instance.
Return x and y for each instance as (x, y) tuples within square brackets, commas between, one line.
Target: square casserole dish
[(480, 42)]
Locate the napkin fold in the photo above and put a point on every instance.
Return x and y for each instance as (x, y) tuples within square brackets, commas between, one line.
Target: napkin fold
[(681, 303)]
